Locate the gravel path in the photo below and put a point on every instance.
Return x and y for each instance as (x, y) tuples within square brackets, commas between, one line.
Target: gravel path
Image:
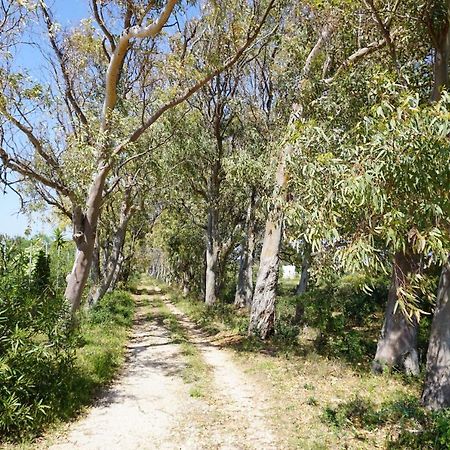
[(149, 407)]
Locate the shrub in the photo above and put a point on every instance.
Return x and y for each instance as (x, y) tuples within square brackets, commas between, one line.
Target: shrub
[(115, 307), (344, 312), (36, 349)]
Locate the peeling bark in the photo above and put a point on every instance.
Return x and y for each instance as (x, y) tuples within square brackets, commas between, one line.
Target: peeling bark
[(262, 314)]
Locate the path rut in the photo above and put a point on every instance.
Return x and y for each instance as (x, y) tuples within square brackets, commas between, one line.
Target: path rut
[(149, 406)]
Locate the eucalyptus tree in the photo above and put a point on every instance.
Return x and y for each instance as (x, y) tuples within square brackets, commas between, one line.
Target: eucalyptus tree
[(436, 394), (316, 65), (373, 185), (197, 182), (135, 198), (260, 105), (124, 50)]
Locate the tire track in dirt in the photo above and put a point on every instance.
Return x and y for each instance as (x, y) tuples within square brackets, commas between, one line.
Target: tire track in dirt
[(149, 406)]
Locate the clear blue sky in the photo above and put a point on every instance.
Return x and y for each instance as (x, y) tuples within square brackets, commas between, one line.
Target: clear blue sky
[(67, 12)]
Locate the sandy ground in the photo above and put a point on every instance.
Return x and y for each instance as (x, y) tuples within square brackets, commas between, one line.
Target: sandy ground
[(149, 407)]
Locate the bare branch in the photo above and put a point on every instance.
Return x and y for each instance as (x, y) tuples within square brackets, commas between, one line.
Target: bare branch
[(102, 25), (62, 63), (117, 58)]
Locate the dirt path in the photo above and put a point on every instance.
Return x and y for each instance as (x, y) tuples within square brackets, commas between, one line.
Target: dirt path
[(149, 407)]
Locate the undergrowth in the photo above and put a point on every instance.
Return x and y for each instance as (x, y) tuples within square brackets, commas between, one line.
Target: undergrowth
[(49, 369), (411, 426)]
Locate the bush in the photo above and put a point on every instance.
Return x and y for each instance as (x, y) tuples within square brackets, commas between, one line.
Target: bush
[(36, 349), (411, 425), (344, 314), (115, 307)]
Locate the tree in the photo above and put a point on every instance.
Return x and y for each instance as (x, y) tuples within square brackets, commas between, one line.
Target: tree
[(120, 53)]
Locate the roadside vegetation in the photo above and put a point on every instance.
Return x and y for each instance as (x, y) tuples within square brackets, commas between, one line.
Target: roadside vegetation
[(215, 146), (318, 370), (51, 367)]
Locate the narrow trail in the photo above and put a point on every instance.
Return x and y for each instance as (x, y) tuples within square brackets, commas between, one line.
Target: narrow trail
[(149, 406)]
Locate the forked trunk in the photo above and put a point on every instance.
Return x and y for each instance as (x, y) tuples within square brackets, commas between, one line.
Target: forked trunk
[(397, 346), (117, 245), (436, 393), (244, 288), (85, 228)]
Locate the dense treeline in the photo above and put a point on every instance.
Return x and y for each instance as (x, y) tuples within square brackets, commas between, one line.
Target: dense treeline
[(209, 143)]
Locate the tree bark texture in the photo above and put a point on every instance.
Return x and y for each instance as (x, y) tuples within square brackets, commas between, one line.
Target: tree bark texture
[(436, 393), (397, 346), (262, 314), (85, 229), (212, 257)]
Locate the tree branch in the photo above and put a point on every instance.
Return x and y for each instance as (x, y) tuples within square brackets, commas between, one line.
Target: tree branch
[(102, 25), (196, 87), (355, 57), (118, 56), (62, 63)]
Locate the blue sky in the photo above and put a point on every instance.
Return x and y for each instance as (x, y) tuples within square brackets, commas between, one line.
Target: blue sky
[(12, 222)]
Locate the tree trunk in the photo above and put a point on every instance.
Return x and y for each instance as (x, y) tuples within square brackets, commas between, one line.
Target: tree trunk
[(244, 288), (262, 314), (302, 284), (212, 257), (441, 62), (95, 269), (436, 393), (397, 346), (118, 273), (116, 250), (85, 228)]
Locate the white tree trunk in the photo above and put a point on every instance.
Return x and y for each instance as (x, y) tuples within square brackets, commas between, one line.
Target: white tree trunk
[(262, 314), (212, 257)]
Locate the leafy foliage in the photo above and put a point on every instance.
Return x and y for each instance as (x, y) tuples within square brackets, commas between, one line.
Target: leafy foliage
[(36, 347)]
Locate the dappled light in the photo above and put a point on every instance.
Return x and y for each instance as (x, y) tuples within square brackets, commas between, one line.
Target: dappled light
[(232, 228)]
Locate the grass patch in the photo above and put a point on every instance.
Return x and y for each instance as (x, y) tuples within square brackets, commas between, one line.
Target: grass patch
[(312, 368), (408, 425), (196, 372)]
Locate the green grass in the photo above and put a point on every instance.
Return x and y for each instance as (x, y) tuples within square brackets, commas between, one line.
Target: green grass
[(196, 372), (319, 368)]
